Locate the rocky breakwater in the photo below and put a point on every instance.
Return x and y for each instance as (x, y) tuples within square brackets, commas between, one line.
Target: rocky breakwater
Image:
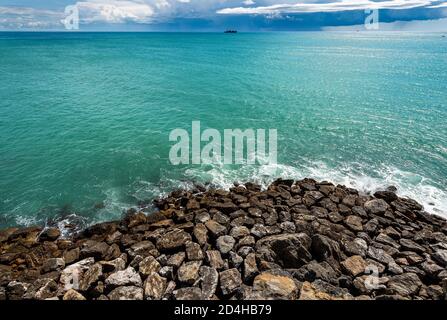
[(295, 240)]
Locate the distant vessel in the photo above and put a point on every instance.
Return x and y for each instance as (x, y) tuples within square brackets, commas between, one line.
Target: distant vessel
[(230, 31)]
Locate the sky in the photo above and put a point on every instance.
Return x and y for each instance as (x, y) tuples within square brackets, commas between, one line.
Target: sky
[(218, 15)]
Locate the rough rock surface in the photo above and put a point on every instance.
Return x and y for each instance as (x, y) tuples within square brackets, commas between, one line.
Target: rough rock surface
[(295, 240)]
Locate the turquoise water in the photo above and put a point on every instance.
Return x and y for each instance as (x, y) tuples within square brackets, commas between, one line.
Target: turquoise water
[(85, 118)]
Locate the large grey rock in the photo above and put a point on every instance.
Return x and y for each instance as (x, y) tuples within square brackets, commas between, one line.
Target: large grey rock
[(127, 277), (225, 244)]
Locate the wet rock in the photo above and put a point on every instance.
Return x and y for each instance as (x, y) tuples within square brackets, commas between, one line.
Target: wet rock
[(173, 240), (388, 196), (225, 244), (230, 281), (311, 197), (126, 293), (127, 277), (154, 286), (210, 280), (49, 234), (188, 272)]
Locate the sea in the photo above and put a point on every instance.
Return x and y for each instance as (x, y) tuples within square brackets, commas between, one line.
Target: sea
[(85, 118)]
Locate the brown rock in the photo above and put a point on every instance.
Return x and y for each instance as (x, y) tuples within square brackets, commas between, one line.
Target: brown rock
[(215, 228), (230, 281), (73, 295), (354, 265), (154, 286), (173, 240), (276, 286)]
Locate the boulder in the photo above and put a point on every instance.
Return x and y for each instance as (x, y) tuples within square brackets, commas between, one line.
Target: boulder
[(173, 240), (148, 266), (250, 267), (127, 277), (49, 234), (73, 295), (440, 256), (176, 259), (230, 281), (188, 272), (215, 228), (90, 277), (354, 265), (406, 284), (189, 293), (154, 286), (126, 293), (210, 280), (276, 286), (215, 259), (354, 223), (53, 264), (225, 244), (376, 206), (193, 251)]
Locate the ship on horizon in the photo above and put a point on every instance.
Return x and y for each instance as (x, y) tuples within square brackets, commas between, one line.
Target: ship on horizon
[(230, 31)]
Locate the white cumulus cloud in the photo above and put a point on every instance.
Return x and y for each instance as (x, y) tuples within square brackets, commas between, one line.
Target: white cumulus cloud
[(344, 5)]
